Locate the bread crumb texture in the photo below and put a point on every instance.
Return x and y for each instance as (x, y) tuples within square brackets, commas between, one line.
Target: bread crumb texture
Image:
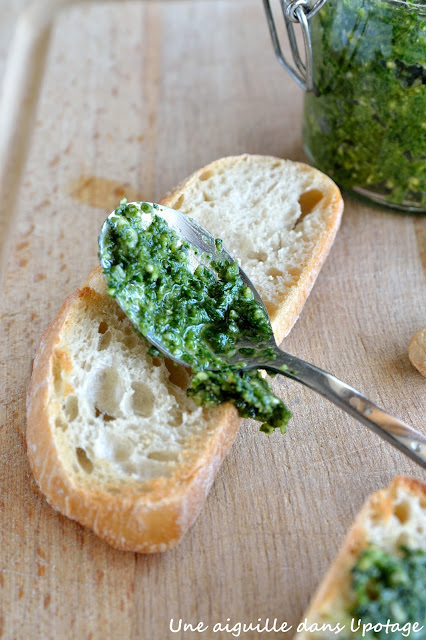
[(398, 517), (271, 221), (120, 416)]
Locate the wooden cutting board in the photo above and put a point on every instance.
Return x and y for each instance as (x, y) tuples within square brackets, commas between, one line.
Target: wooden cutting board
[(131, 97)]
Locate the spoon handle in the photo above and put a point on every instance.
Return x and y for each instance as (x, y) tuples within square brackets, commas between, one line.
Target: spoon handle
[(399, 434)]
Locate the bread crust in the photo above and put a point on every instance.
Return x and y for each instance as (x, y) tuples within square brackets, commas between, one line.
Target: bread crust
[(156, 518), (334, 592)]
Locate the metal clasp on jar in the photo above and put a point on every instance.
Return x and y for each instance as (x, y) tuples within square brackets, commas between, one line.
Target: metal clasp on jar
[(296, 12)]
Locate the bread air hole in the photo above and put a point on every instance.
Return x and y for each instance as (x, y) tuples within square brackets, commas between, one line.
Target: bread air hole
[(176, 417), (273, 186), (103, 327), (206, 175), (179, 202), (274, 273), (71, 408), (83, 460), (60, 423), (261, 256), (105, 416), (163, 456), (142, 399), (177, 375), (294, 272), (57, 374), (402, 511), (131, 341), (104, 341), (308, 201)]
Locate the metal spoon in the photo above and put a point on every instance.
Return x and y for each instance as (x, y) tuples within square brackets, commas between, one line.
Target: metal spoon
[(400, 435)]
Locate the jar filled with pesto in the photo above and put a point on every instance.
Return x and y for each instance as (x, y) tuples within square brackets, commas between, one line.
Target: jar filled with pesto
[(365, 105)]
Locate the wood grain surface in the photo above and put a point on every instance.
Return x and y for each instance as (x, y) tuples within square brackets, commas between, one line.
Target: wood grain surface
[(134, 96)]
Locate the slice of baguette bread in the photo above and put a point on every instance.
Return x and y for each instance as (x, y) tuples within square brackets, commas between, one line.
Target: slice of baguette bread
[(391, 517), (278, 217), (113, 440)]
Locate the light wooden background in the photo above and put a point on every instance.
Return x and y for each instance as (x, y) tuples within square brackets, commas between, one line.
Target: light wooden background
[(134, 96)]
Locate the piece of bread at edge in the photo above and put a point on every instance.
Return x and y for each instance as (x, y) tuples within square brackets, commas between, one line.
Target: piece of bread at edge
[(113, 440), (390, 517)]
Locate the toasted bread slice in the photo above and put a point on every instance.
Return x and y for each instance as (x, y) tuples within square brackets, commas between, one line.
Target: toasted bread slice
[(390, 518), (113, 440)]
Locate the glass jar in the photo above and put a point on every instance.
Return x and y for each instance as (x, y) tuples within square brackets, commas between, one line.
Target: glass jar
[(365, 117)]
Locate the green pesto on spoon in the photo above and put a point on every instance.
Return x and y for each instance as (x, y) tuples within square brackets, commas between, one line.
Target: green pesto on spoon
[(189, 298)]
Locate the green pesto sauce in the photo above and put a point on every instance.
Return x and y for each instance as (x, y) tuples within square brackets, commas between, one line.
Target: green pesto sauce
[(390, 587), (366, 127), (197, 316)]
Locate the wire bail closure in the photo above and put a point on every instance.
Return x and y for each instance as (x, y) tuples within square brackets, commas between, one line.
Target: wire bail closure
[(295, 12)]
